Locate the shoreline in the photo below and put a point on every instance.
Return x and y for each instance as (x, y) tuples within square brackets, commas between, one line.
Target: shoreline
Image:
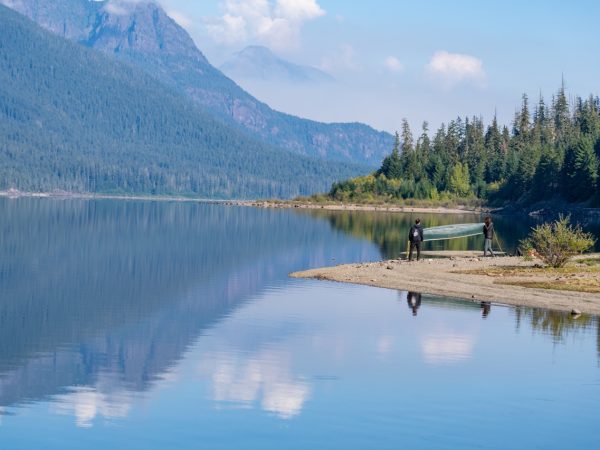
[(293, 204), (448, 277), (290, 204), (64, 195), (274, 204)]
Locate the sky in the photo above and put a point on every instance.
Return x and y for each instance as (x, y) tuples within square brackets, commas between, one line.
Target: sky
[(419, 60)]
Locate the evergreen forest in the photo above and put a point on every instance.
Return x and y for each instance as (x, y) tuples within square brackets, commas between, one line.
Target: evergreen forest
[(74, 119), (550, 153)]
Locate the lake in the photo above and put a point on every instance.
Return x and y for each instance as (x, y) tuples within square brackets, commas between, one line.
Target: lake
[(154, 325)]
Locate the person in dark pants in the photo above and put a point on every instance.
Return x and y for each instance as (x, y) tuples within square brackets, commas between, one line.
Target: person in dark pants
[(415, 236), (488, 234)]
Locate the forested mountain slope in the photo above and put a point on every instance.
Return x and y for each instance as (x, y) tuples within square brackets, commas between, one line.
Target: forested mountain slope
[(72, 118), (142, 34)]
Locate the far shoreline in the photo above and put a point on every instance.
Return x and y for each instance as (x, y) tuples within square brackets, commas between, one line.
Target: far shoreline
[(544, 210), (65, 195), (293, 204), (274, 204)]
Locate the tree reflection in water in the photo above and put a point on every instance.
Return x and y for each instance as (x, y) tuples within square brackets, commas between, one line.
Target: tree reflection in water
[(557, 324), (389, 231)]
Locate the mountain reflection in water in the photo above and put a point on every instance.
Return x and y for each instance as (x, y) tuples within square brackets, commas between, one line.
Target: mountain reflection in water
[(109, 293)]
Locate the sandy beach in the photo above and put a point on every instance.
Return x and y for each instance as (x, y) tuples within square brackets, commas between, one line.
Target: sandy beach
[(447, 277)]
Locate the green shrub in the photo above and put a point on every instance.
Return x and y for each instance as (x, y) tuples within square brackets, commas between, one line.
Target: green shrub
[(557, 242)]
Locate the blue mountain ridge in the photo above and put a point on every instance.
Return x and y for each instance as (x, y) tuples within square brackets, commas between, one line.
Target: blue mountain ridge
[(142, 34), (72, 118)]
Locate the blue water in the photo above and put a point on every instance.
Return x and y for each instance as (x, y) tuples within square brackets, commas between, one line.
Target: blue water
[(141, 325)]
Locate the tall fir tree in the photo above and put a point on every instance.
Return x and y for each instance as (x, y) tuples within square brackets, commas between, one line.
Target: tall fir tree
[(580, 170), (562, 116), (391, 166), (546, 181), (495, 169)]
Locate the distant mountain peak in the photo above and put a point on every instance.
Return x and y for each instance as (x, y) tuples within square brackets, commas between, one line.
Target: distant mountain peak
[(259, 62), (111, 26), (140, 26)]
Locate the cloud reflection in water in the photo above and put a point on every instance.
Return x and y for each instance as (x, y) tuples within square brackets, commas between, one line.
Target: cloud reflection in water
[(265, 377), (89, 403), (447, 348)]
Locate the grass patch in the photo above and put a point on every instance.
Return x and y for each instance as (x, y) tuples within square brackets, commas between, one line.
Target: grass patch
[(589, 261), (462, 203), (582, 278), (519, 271), (589, 285)]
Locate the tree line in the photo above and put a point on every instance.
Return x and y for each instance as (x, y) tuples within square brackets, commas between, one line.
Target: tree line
[(550, 154)]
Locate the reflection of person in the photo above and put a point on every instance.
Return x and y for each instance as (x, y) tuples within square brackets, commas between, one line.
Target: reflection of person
[(488, 234), (485, 309), (414, 301), (415, 236)]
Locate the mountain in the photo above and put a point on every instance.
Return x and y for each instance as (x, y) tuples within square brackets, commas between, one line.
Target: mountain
[(72, 118), (143, 35), (257, 62)]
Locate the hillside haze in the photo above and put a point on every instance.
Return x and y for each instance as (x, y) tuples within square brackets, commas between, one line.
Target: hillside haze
[(142, 34), (72, 118), (260, 63)]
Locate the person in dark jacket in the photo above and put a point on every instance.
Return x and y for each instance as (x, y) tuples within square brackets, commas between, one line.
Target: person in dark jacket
[(488, 234), (415, 236)]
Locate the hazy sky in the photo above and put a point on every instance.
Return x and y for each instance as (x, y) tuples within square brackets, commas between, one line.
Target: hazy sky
[(423, 60)]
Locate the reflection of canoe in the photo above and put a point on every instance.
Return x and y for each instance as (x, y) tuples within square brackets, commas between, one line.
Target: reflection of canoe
[(452, 231)]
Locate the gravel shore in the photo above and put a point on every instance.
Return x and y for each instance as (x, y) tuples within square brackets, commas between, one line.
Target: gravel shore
[(442, 276)]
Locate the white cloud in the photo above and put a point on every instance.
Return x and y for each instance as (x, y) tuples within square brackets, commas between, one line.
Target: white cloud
[(344, 60), (298, 9), (393, 64), (454, 68), (276, 23)]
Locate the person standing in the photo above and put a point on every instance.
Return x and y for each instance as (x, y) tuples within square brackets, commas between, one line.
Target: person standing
[(415, 237), (488, 234)]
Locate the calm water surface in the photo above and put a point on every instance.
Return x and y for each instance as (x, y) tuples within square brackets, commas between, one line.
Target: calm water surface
[(140, 325)]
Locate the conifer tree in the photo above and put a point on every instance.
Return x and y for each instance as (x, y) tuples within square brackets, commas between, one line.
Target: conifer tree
[(410, 167), (542, 129), (475, 155), (495, 156), (562, 116), (580, 171), (392, 165), (546, 181)]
